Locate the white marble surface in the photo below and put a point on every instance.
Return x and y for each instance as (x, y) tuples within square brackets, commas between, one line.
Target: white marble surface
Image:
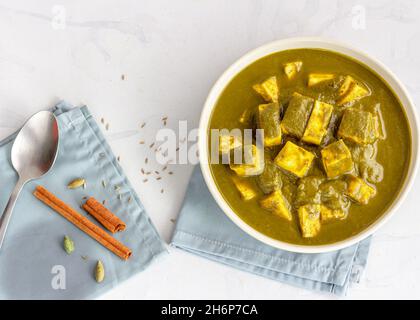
[(171, 52)]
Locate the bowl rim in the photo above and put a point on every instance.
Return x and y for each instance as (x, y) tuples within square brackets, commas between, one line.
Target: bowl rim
[(314, 43)]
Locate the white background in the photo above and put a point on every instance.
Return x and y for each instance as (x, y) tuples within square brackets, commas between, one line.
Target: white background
[(170, 53)]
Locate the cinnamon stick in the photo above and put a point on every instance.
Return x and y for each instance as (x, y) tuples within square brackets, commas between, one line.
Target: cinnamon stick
[(82, 223), (103, 215)]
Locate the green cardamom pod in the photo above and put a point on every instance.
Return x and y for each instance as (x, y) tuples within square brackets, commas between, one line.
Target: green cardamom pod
[(77, 183), (68, 245), (99, 272)]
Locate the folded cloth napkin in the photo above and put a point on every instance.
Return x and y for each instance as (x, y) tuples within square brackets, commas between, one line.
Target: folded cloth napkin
[(33, 264), (203, 229)]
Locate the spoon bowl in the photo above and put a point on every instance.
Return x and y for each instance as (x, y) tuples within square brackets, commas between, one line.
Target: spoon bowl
[(33, 154)]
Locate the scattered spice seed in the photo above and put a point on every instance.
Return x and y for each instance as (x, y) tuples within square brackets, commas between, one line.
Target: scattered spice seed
[(172, 220), (164, 168), (85, 258), (170, 172), (177, 149), (145, 180), (142, 170), (157, 172), (141, 142), (84, 198), (161, 190), (103, 183), (118, 158), (146, 160), (164, 123), (148, 172), (143, 125), (102, 120), (165, 118), (158, 178), (151, 145), (129, 199), (122, 77), (103, 202), (107, 126)]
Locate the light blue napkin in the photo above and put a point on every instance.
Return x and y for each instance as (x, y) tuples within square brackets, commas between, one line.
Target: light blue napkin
[(203, 229), (32, 260)]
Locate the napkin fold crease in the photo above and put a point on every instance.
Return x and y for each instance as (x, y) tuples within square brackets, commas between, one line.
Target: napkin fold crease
[(203, 229)]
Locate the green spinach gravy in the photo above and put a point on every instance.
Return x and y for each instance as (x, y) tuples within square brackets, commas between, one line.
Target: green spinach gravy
[(337, 146)]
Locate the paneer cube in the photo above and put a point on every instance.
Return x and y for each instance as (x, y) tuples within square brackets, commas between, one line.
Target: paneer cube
[(337, 159), (268, 89), (277, 203), (328, 214), (297, 115), (270, 179), (245, 188), (359, 190), (375, 109), (252, 163), (318, 123), (294, 159), (358, 126), (316, 78), (292, 68), (268, 119), (310, 220), (228, 142), (351, 90)]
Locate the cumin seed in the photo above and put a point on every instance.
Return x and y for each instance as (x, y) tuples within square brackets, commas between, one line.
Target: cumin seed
[(143, 125), (170, 172), (161, 190), (158, 178), (141, 142), (145, 180), (151, 145), (146, 160)]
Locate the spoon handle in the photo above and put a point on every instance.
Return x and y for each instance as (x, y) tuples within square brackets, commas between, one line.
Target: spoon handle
[(7, 213)]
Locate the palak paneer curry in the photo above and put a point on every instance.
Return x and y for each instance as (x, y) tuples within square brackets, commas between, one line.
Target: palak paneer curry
[(336, 149)]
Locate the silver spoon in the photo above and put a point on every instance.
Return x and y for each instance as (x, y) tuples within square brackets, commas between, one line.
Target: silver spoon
[(33, 154)]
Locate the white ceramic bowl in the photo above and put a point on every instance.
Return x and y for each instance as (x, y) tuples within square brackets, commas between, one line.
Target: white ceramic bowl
[(297, 43)]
